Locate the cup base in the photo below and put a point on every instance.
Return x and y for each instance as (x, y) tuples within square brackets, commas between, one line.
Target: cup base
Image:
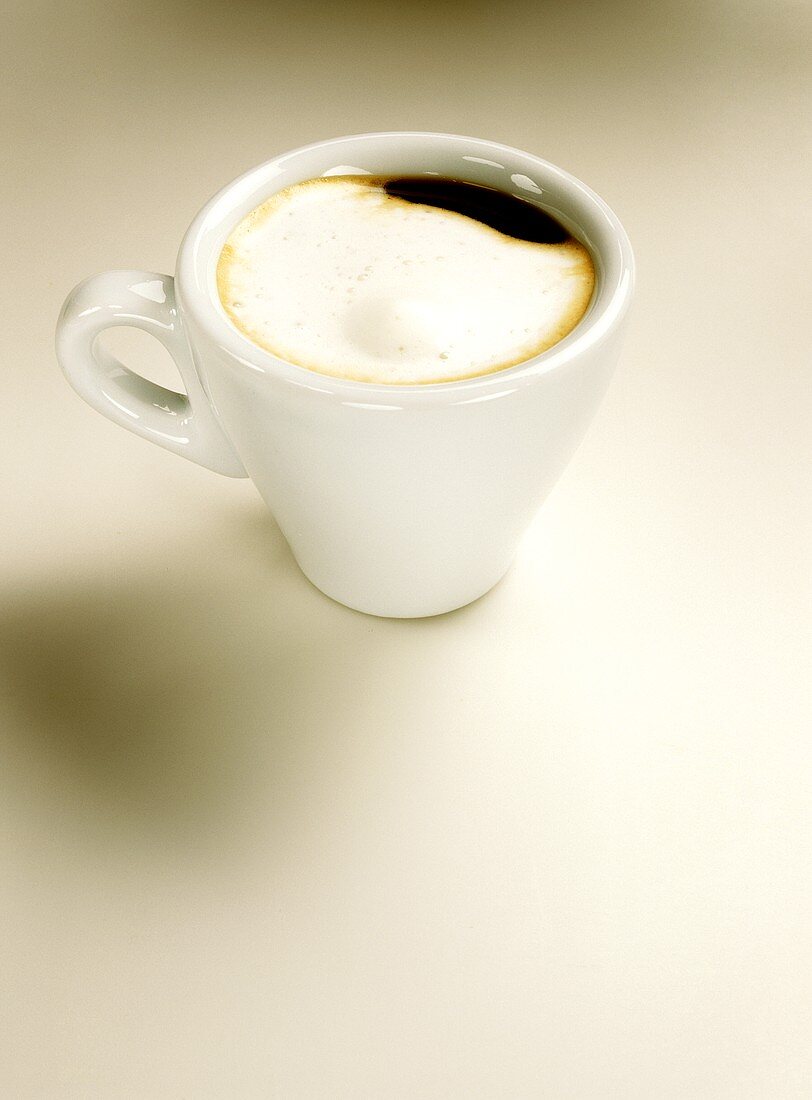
[(414, 608)]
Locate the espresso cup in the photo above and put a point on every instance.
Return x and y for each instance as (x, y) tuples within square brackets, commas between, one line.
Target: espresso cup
[(396, 500)]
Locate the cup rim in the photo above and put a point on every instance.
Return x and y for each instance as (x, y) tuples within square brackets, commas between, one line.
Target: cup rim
[(194, 288)]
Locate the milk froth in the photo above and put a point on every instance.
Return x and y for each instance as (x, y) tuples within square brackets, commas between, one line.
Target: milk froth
[(341, 277)]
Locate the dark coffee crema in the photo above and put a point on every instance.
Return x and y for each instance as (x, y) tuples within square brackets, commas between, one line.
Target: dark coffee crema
[(508, 214)]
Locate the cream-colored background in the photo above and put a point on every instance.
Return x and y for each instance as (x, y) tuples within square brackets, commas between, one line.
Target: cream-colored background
[(555, 845)]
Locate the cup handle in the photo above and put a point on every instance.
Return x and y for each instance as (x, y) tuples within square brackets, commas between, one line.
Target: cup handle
[(183, 423)]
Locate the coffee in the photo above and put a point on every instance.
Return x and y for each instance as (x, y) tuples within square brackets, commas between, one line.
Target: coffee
[(403, 280)]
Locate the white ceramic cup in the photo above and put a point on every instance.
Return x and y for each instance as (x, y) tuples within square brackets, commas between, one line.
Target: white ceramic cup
[(396, 500)]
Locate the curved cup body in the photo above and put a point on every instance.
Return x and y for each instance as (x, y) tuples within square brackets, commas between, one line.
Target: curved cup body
[(403, 509)]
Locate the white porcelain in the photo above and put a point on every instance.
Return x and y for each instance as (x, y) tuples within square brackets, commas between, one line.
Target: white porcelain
[(396, 500)]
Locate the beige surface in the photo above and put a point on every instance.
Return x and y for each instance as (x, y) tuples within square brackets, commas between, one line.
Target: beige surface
[(555, 845)]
